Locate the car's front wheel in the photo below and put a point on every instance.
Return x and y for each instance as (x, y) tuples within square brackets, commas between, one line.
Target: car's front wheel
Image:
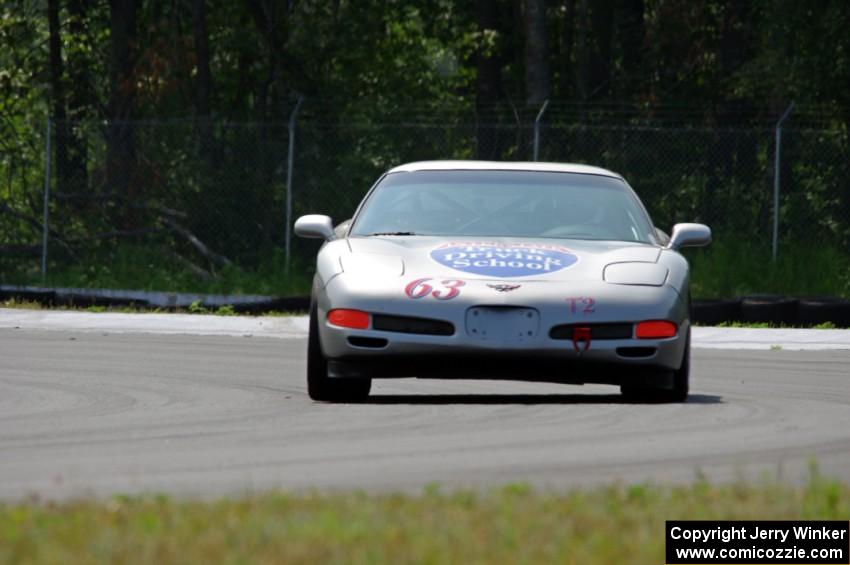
[(679, 390), (319, 385)]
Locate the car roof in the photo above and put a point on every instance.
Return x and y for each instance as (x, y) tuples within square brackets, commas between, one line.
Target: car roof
[(502, 166)]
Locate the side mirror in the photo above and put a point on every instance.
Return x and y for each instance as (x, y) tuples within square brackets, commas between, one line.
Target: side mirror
[(314, 225), (689, 235)]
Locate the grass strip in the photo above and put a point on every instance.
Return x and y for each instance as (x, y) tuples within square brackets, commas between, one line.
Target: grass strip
[(193, 308), (727, 268), (516, 524), (738, 267)]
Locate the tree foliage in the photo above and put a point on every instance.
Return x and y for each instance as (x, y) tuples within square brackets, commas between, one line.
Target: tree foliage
[(150, 101), (254, 57)]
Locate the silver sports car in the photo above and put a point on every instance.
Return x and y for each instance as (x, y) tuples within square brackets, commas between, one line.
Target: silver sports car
[(527, 271)]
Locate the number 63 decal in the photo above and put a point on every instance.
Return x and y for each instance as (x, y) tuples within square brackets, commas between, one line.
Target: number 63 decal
[(420, 288)]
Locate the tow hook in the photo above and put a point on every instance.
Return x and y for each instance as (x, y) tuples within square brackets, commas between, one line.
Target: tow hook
[(581, 334)]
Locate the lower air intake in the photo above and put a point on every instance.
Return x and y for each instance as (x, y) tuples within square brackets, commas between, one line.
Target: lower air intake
[(636, 352), (370, 342), (597, 331), (411, 325)]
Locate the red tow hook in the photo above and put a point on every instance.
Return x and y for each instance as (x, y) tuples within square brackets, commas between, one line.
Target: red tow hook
[(581, 334)]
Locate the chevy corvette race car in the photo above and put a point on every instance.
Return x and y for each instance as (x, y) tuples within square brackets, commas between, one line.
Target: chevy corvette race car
[(526, 271)]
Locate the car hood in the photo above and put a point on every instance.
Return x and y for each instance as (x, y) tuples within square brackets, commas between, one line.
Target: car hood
[(502, 259)]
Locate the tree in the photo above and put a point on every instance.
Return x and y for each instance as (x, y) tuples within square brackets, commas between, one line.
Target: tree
[(566, 74), (271, 21), (120, 139), (537, 72), (57, 90), (82, 100), (632, 33), (595, 61), (488, 79), (203, 82)]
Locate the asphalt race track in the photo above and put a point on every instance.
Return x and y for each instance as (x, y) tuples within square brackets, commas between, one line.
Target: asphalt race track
[(101, 413)]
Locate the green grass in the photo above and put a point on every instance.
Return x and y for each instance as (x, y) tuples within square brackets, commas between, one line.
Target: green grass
[(729, 268), (139, 268), (725, 269), (613, 524), (194, 308), (764, 325)]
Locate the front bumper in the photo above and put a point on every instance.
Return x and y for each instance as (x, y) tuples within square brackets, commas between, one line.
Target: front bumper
[(383, 354)]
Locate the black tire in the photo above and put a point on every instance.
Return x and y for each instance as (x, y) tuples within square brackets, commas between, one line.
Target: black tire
[(769, 308), (679, 391), (319, 386), (714, 312), (817, 310)]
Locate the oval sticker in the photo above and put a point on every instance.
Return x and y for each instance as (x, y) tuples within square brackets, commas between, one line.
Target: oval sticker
[(504, 260)]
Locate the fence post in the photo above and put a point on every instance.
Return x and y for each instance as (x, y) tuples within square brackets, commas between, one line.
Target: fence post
[(776, 167), (537, 129), (46, 220), (289, 164)]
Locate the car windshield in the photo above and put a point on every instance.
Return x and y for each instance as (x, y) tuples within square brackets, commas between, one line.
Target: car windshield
[(503, 204)]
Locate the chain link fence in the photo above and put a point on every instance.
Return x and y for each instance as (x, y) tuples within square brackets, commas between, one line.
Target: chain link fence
[(201, 198)]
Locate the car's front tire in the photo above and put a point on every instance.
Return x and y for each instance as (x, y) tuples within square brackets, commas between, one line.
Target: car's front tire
[(319, 386), (679, 390)]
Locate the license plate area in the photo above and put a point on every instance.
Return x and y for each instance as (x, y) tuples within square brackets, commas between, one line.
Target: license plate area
[(502, 323)]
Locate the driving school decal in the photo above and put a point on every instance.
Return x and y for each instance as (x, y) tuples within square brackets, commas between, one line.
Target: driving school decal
[(502, 260)]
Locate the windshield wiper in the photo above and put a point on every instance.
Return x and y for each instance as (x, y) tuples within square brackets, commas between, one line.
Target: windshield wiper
[(391, 233)]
